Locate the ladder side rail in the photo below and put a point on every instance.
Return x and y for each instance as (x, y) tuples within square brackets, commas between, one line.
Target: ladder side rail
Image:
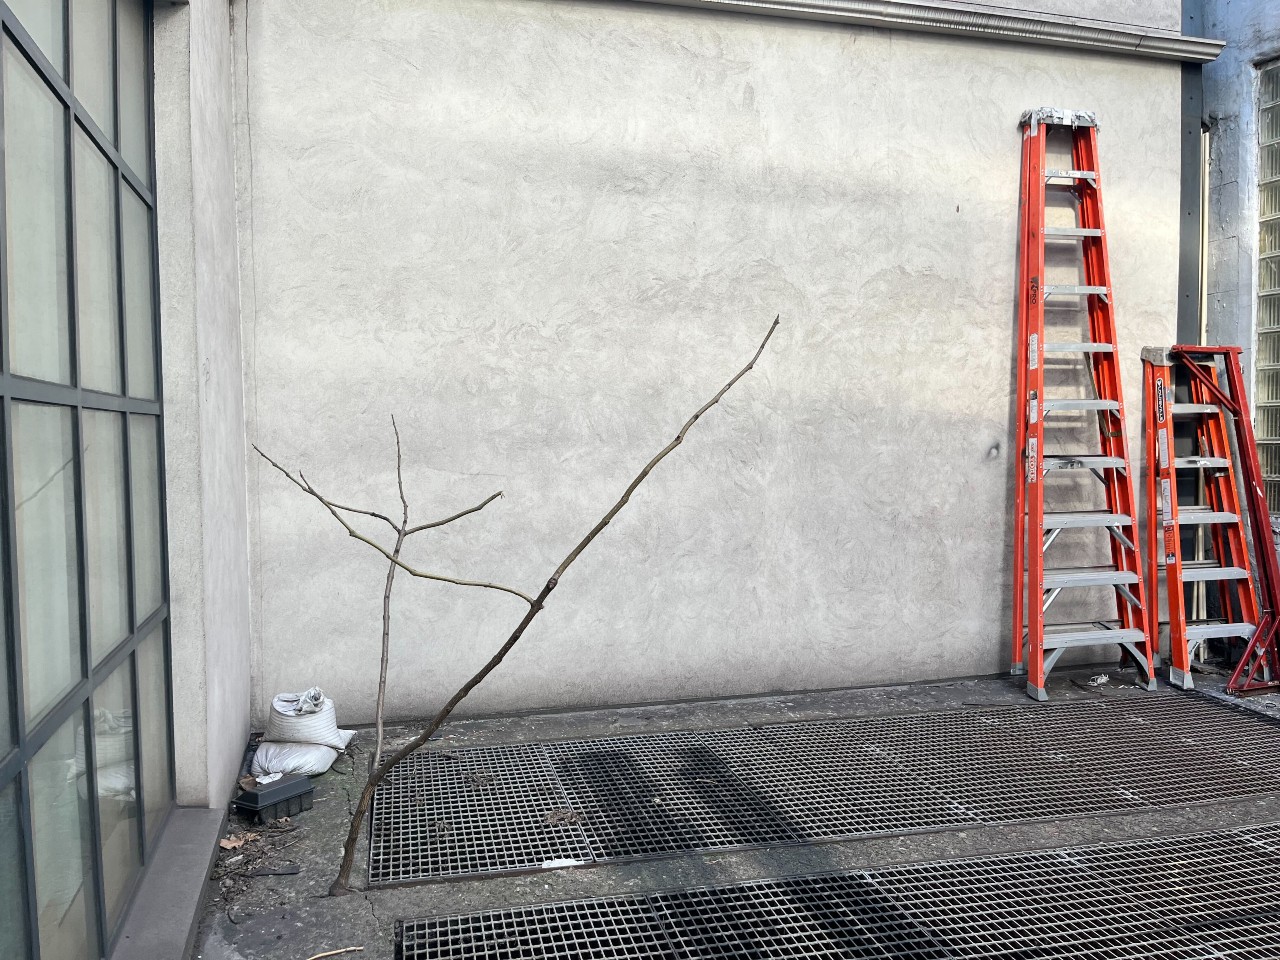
[(1020, 411), (1151, 426), (1033, 401)]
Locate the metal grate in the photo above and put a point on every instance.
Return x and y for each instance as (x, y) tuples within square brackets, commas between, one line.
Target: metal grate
[(484, 810), (1200, 897), (642, 796), (503, 809), (594, 929)]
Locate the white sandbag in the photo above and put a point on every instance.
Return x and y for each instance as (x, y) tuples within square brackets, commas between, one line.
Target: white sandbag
[(312, 759), (307, 717)]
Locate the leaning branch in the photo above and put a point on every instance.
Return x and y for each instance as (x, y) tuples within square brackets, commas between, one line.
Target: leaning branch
[(341, 885)]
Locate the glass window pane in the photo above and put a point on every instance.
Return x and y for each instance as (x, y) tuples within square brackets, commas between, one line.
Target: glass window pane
[(135, 227), (105, 543), (144, 462), (117, 783), (97, 316), (43, 19), (48, 611), (35, 188), (153, 720), (135, 80), (91, 73), (13, 879), (62, 840)]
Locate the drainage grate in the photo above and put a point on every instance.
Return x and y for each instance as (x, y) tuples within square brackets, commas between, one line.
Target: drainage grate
[(503, 809), (1112, 901), (484, 810), (594, 929), (642, 796)]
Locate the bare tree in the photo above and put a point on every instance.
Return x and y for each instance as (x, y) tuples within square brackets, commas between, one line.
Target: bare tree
[(341, 885)]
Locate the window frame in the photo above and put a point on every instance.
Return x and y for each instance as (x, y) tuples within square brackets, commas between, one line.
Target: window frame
[(27, 738)]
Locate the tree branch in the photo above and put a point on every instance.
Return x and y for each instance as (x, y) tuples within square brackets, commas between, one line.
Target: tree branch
[(457, 516), (341, 885), (303, 484)]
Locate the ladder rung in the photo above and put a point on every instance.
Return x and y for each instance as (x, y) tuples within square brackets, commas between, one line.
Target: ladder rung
[(1201, 515), (1079, 348), (1087, 577), (1051, 405), (1200, 571), (1201, 463), (1072, 289), (1085, 518), (1070, 175), (1085, 462), (1088, 635), (1194, 408), (1074, 233), (1216, 629)]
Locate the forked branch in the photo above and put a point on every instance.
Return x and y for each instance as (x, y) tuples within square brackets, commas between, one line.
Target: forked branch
[(341, 884)]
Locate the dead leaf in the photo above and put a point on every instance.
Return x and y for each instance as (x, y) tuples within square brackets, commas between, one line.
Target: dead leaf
[(236, 842)]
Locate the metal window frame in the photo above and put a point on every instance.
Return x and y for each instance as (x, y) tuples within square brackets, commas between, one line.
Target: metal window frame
[(1264, 403), (28, 739)]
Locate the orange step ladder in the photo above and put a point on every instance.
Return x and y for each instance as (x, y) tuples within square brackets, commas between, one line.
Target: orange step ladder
[(1092, 365), (1246, 601)]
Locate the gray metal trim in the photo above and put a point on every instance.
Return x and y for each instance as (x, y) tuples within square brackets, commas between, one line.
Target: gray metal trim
[(1019, 27)]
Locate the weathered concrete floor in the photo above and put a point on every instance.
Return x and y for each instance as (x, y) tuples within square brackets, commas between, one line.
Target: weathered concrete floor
[(259, 917)]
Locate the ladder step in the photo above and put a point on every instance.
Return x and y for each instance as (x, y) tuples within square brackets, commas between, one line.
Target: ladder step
[(1074, 233), (1088, 634), (1201, 463), (1079, 348), (1194, 409), (1051, 405), (1085, 462), (1087, 577), (1201, 571), (1071, 289), (1070, 175), (1216, 629), (1203, 515), (1085, 518)]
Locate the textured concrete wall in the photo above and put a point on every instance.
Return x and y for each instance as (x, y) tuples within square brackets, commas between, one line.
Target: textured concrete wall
[(203, 387), (541, 233), (1252, 29)]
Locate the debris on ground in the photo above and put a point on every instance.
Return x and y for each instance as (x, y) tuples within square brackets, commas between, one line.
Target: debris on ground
[(1099, 680), (557, 818), (254, 853), (237, 840)]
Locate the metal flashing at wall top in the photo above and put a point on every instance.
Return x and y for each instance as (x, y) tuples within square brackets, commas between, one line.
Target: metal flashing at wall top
[(1019, 26)]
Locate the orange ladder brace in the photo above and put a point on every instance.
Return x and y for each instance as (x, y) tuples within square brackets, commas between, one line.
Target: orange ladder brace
[(1037, 646)]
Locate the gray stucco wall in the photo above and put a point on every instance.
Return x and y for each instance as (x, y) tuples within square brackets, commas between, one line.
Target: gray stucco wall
[(203, 387), (1252, 29), (542, 233)]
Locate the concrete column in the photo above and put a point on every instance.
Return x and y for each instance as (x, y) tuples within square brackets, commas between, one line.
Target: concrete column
[(203, 395)]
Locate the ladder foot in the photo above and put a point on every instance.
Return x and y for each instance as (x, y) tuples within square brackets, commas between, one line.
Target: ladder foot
[(1181, 679), (1036, 693), (1018, 670), (1149, 683)]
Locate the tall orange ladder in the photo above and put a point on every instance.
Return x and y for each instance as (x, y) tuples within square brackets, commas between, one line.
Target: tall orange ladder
[(1210, 457), (1093, 365)]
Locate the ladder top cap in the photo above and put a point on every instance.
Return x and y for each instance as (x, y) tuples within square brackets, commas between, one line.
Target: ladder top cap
[(1060, 117), (1160, 356)]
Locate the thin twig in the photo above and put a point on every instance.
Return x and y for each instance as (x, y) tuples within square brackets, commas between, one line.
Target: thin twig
[(341, 885), (457, 516), (334, 953), (367, 513), (303, 484)]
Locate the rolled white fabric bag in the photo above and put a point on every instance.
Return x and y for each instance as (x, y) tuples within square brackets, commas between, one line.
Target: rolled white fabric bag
[(307, 717), (312, 759)]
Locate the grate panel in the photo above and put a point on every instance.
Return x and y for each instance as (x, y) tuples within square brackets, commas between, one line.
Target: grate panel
[(644, 796), (671, 793), (829, 789), (593, 929), (807, 917), (481, 810), (1102, 901)]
